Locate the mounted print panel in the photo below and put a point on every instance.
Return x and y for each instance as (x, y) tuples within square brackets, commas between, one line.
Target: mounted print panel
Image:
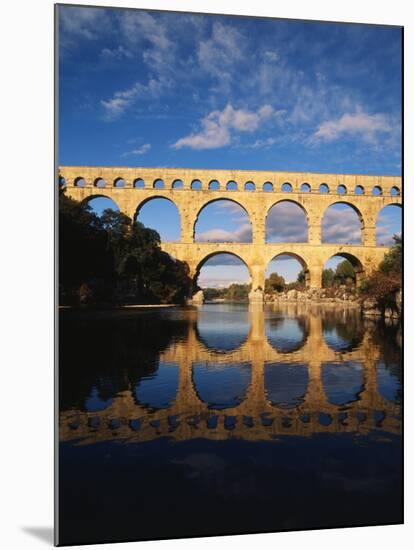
[(229, 200)]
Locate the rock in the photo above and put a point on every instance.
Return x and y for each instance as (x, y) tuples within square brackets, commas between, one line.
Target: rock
[(292, 294), (198, 298)]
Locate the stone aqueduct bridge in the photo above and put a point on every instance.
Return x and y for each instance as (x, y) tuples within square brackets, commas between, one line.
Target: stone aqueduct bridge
[(256, 202), (255, 417)]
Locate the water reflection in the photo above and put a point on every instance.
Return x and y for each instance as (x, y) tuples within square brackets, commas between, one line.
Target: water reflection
[(291, 370), (343, 382), (221, 386), (286, 384), (193, 419), (223, 327), (158, 390)]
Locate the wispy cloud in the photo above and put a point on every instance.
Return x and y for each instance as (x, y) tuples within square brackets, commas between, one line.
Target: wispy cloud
[(139, 151)]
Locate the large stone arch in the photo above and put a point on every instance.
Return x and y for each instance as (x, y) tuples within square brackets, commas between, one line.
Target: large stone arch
[(357, 264), (290, 201), (295, 256), (93, 196), (208, 202), (163, 196), (223, 250), (351, 205)]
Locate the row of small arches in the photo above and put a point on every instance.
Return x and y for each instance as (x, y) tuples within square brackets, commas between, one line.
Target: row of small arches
[(231, 185)]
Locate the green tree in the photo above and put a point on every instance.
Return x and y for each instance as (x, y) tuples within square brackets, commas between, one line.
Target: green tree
[(392, 262), (328, 276), (344, 273), (274, 283)]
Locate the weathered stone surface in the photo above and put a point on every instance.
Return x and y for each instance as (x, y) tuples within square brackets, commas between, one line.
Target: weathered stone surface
[(257, 254)]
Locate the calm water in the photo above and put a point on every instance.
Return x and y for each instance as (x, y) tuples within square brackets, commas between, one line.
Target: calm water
[(224, 419)]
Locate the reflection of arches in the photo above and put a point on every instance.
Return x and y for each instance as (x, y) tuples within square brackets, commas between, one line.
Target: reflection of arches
[(389, 380), (222, 328), (159, 389), (294, 256), (387, 224), (333, 228), (221, 386), (286, 334), (169, 220), (286, 384), (286, 221), (242, 231), (343, 382)]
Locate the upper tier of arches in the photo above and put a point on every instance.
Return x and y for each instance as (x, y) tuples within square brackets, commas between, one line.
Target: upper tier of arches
[(317, 184)]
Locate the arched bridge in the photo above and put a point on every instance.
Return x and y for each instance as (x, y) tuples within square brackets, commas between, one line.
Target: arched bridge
[(256, 192)]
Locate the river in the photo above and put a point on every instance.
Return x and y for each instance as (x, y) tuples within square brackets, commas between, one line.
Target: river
[(225, 419)]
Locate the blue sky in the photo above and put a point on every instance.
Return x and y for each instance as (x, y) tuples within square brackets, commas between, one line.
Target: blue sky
[(141, 88)]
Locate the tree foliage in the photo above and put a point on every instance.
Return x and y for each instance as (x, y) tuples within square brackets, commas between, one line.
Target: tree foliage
[(110, 258), (274, 283)]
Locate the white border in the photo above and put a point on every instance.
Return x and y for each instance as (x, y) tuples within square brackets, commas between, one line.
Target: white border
[(26, 122)]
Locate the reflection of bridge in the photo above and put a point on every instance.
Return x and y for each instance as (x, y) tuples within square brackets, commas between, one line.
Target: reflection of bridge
[(256, 203), (255, 418)]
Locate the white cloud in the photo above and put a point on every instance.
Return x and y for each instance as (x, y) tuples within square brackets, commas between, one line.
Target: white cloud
[(341, 225), (139, 151), (121, 100), (118, 53), (359, 123), (242, 235), (218, 54), (217, 127)]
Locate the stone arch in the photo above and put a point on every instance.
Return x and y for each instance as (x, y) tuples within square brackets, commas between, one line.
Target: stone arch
[(300, 208), (196, 185), (341, 189), (158, 184), (294, 256), (395, 191), (223, 250), (231, 186), (249, 186), (214, 185), (61, 181), (359, 190), (79, 182), (324, 188), (177, 184), (376, 191), (305, 188), (92, 197), (119, 182), (286, 187), (354, 261), (383, 238), (99, 182), (155, 197), (138, 183), (355, 209), (268, 186), (222, 199)]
